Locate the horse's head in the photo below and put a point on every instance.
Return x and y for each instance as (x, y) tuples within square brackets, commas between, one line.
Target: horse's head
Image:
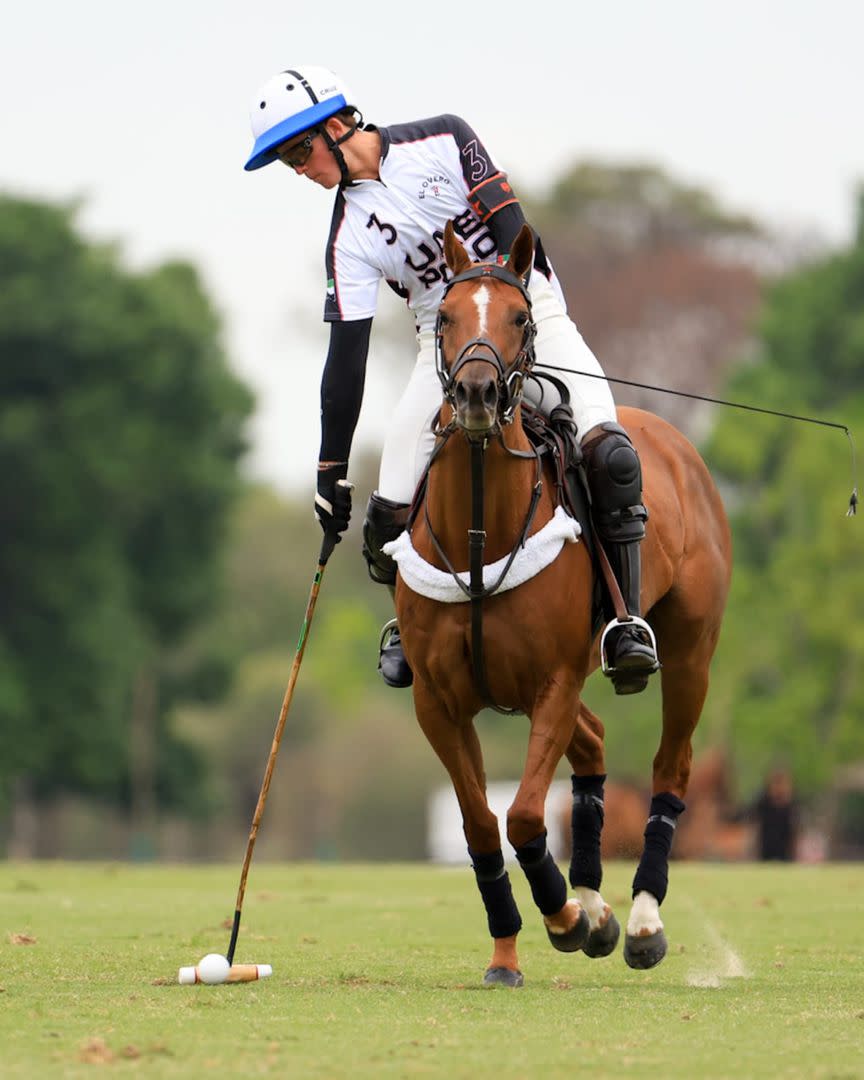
[(485, 335)]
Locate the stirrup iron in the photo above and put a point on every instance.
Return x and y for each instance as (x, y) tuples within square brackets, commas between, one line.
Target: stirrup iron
[(392, 663), (385, 632), (615, 624)]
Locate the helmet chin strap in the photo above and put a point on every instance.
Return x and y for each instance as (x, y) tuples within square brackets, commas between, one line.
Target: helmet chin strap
[(334, 144)]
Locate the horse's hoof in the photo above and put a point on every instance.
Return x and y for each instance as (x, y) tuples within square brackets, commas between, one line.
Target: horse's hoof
[(644, 952), (575, 938), (603, 940), (502, 976)]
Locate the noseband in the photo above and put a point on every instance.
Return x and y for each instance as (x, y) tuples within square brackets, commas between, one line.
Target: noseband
[(510, 377)]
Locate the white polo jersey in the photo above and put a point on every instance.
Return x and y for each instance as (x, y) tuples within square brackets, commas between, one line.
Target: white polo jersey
[(431, 171)]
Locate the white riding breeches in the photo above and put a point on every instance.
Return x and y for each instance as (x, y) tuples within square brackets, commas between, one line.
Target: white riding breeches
[(409, 441)]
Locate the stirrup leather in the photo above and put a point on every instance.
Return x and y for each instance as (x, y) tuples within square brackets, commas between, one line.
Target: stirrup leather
[(615, 624)]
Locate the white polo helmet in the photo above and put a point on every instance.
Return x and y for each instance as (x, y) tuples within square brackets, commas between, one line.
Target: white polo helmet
[(291, 102)]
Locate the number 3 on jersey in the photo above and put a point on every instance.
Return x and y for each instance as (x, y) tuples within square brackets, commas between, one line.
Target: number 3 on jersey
[(388, 231)]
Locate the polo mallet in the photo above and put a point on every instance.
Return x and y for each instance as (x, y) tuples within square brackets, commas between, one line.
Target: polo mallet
[(218, 969)]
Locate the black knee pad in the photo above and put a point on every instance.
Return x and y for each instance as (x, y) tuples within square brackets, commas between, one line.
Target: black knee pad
[(385, 520), (615, 479)]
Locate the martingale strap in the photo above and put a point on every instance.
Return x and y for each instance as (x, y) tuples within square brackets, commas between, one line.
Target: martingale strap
[(476, 545)]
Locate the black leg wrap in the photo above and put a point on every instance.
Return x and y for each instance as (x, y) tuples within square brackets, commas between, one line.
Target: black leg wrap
[(653, 873), (587, 825), (548, 886), (493, 881)]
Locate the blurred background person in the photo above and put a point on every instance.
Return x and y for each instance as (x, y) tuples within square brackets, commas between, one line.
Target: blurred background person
[(776, 814)]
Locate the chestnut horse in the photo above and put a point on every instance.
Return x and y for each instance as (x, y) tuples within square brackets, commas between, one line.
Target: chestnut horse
[(537, 639)]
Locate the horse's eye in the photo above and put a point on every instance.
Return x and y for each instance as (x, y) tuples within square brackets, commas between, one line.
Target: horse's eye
[(522, 318), (444, 320)]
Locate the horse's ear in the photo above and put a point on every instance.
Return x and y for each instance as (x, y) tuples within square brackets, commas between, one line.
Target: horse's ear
[(522, 252), (455, 255)]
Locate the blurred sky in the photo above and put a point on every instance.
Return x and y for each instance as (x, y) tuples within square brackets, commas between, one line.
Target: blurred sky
[(141, 110)]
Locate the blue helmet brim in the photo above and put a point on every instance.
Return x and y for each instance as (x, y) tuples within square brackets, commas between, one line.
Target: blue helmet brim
[(264, 150)]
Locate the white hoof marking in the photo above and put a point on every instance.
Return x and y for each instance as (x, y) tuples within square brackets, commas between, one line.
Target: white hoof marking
[(574, 905), (644, 916), (595, 906)]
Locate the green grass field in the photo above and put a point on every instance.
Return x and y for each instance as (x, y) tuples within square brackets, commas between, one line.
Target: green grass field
[(377, 973)]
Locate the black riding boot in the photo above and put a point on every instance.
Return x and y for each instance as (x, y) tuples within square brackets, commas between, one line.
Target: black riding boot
[(628, 650), (385, 520)]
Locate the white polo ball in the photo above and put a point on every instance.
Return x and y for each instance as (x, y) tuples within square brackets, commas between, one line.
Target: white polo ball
[(213, 969)]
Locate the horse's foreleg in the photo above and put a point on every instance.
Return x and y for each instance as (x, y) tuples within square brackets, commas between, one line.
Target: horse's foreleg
[(586, 756), (456, 744), (685, 685), (551, 733)]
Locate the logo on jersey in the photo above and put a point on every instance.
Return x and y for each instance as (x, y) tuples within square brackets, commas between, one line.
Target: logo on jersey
[(432, 186)]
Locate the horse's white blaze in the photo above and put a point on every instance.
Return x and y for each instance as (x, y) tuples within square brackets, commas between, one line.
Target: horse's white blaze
[(593, 903), (481, 299), (644, 916)]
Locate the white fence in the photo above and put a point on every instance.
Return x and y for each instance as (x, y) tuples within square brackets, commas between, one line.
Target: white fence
[(445, 841)]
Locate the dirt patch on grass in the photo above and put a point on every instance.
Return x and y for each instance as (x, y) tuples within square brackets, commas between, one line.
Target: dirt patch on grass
[(22, 939), (96, 1052)]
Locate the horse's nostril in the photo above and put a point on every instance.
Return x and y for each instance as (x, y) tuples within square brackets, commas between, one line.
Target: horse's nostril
[(490, 395), (461, 394)]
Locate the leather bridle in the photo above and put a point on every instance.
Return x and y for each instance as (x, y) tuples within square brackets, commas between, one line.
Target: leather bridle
[(510, 377)]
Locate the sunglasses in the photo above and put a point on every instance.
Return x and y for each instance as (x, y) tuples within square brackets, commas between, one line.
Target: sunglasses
[(297, 155)]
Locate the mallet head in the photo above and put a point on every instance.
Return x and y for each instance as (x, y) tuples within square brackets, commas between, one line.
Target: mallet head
[(214, 969)]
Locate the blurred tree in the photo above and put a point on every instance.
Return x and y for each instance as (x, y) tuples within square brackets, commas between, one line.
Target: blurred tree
[(661, 280), (625, 207), (793, 642), (120, 434), (354, 770)]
